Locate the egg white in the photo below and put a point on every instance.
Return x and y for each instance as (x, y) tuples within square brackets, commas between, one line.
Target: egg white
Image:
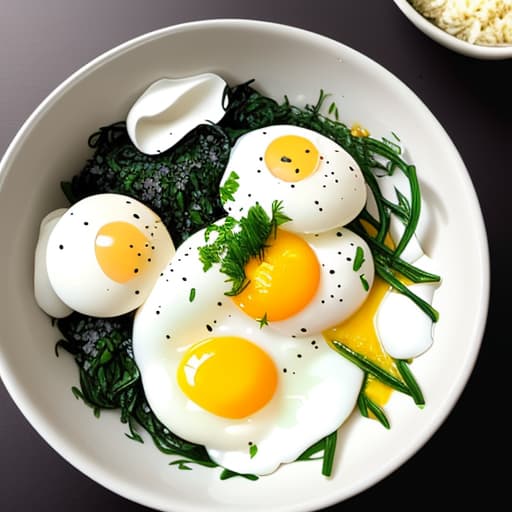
[(317, 388), (73, 270), (45, 295), (404, 330), (331, 196)]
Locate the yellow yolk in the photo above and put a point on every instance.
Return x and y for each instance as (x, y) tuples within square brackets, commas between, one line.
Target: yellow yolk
[(122, 251), (358, 131), (358, 333), (283, 283), (291, 158), (228, 376)]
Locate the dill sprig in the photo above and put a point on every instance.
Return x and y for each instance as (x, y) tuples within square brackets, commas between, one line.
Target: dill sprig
[(239, 241)]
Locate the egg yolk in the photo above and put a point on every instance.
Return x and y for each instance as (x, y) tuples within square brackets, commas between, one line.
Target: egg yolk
[(228, 376), (122, 251), (283, 282), (291, 158)]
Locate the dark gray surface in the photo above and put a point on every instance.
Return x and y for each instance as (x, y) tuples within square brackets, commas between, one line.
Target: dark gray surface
[(42, 42)]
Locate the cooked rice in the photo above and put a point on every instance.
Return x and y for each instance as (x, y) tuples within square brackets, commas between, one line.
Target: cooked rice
[(485, 22)]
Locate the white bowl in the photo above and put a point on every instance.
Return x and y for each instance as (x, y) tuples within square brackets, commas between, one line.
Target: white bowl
[(452, 42), (51, 146)]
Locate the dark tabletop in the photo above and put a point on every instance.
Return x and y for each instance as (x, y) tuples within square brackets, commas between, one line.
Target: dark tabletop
[(42, 42)]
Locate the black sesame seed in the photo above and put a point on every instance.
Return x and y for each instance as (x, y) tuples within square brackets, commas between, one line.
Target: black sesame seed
[(136, 216), (86, 223), (303, 329), (135, 270), (61, 247), (299, 355), (209, 328), (157, 312), (339, 233), (137, 292), (183, 278), (331, 271)]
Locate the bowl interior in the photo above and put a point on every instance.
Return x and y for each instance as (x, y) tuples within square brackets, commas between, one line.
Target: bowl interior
[(52, 146)]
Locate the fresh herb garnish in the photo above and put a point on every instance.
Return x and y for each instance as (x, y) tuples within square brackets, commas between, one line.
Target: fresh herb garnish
[(239, 241), (263, 321), (229, 188), (358, 259)]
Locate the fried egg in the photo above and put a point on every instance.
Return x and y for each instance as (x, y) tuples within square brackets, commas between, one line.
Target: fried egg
[(101, 257), (319, 184), (254, 397), (306, 284)]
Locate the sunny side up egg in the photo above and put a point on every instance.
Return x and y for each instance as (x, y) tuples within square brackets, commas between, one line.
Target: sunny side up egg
[(251, 377), (101, 257)]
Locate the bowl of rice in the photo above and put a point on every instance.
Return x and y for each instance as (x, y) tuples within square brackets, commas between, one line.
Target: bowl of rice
[(481, 29), (117, 440)]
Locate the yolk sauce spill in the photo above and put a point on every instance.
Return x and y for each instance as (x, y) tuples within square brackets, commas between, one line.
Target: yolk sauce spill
[(358, 333)]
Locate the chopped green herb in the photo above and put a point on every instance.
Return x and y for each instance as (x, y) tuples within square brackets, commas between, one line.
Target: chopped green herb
[(364, 282), (229, 188), (192, 295), (359, 259), (329, 452), (234, 248), (253, 450), (366, 405), (263, 321)]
